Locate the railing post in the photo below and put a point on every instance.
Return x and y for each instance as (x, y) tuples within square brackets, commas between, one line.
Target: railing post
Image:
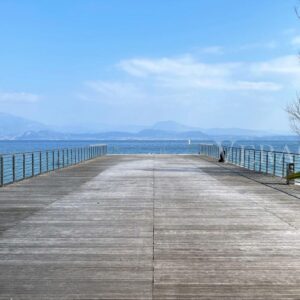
[(40, 162), (294, 161), (249, 157), (53, 160), (14, 168), (2, 171), (24, 165), (32, 165), (260, 160), (58, 164), (47, 161), (267, 162), (233, 155), (283, 164), (274, 163), (63, 156)]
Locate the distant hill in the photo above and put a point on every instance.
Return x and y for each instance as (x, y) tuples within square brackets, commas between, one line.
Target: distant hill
[(235, 132), (149, 134), (13, 126), (54, 135), (172, 126)]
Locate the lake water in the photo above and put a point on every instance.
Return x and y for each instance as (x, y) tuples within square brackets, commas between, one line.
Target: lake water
[(144, 147)]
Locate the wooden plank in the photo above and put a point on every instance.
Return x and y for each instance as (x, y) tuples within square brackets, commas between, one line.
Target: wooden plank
[(80, 233), (220, 235), (150, 227)]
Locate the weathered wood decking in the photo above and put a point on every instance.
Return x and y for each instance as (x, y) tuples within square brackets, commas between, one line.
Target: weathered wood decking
[(149, 227)]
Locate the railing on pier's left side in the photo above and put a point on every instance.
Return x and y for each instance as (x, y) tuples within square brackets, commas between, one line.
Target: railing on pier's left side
[(18, 166), (269, 162)]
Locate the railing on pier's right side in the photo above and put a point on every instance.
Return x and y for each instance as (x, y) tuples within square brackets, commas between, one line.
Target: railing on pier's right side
[(268, 162), (18, 166)]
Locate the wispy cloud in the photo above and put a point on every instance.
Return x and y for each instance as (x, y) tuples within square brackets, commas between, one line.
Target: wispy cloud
[(19, 97), (286, 68), (186, 72), (189, 87), (174, 83), (182, 67)]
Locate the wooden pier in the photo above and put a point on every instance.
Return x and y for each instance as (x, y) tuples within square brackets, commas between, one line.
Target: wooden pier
[(150, 227)]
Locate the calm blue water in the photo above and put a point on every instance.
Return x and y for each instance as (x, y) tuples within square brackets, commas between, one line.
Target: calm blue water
[(143, 147)]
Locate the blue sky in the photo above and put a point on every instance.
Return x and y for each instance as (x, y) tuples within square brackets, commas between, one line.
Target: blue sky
[(222, 63)]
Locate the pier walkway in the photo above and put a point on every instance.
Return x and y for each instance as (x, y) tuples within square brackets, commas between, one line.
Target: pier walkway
[(150, 227)]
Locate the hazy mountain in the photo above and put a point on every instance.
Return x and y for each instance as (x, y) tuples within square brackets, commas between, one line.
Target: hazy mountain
[(13, 126), (172, 126), (54, 135), (98, 127), (235, 132), (113, 135)]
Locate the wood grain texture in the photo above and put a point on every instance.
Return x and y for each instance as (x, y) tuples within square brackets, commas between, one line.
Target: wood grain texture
[(150, 227)]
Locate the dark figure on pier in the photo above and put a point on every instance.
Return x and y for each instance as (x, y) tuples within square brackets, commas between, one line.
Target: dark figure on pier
[(222, 156)]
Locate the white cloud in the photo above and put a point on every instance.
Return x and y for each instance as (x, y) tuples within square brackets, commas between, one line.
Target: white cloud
[(182, 67), (159, 87), (18, 97), (188, 73), (189, 88), (287, 66)]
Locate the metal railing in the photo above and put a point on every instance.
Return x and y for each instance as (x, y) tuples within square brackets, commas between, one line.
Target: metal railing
[(268, 162), (18, 166)]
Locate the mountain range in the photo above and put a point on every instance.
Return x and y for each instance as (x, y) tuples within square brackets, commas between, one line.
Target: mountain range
[(17, 128)]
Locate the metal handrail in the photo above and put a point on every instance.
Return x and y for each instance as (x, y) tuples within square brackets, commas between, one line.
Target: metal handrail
[(21, 165), (269, 162)]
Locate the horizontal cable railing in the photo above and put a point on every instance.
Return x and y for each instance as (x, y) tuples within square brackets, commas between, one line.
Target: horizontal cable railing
[(270, 162), (18, 166)]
